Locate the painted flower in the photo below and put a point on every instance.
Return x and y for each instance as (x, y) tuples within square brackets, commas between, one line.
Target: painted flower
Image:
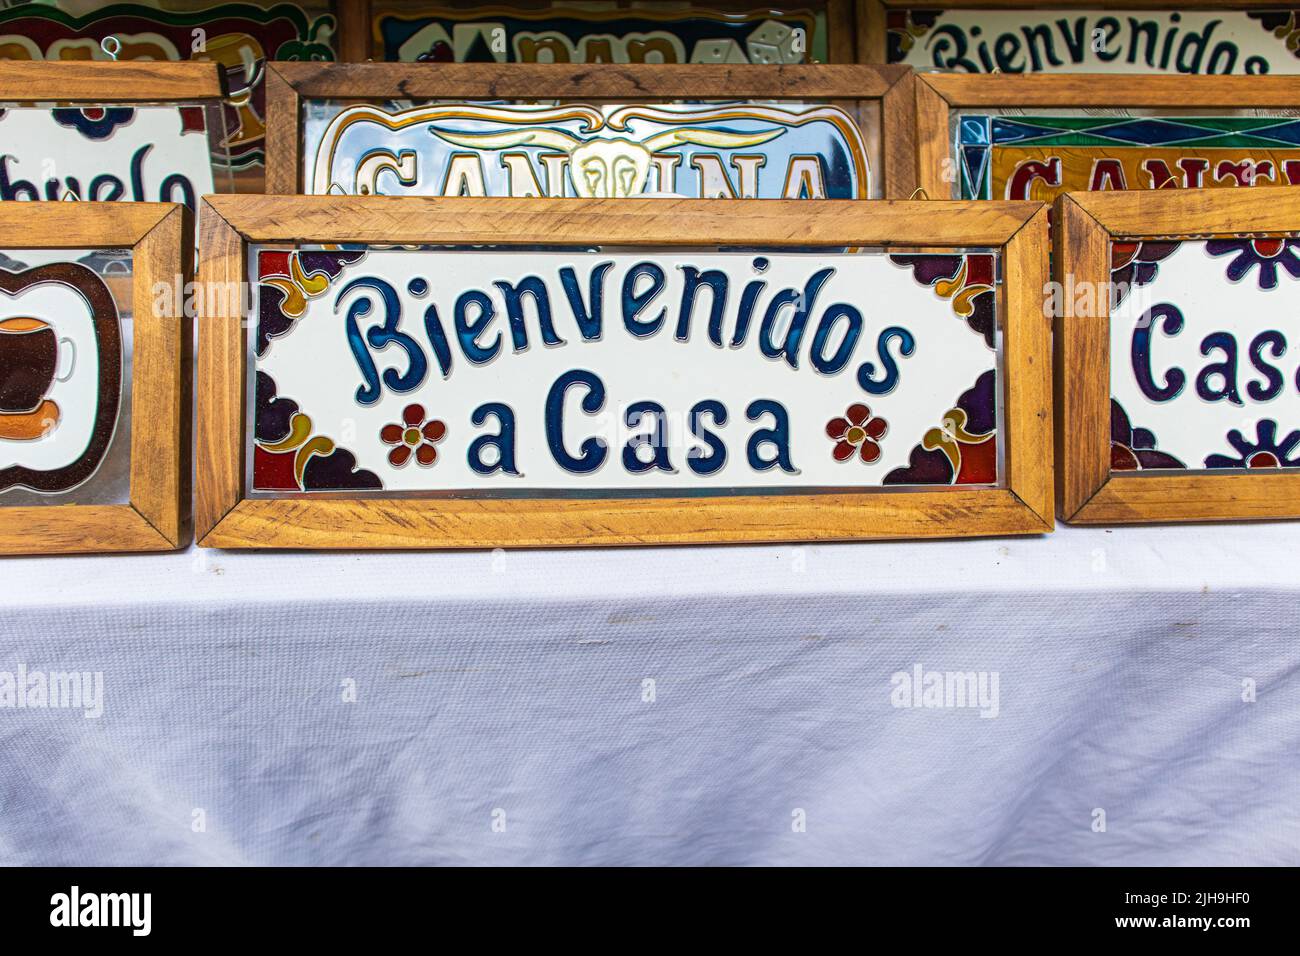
[(1267, 254), (1265, 452), (414, 434), (857, 431)]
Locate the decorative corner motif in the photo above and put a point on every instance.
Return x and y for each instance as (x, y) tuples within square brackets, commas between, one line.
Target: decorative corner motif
[(1134, 449), (968, 280), (964, 449), (287, 280), (903, 28), (1133, 264), (286, 457)]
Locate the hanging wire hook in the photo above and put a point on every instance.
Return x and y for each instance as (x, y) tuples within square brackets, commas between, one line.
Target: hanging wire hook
[(111, 45), (919, 193)]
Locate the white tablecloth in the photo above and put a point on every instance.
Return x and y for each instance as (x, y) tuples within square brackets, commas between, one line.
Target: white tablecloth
[(503, 713)]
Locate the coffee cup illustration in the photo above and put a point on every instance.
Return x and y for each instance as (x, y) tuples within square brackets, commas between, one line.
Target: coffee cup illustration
[(31, 357)]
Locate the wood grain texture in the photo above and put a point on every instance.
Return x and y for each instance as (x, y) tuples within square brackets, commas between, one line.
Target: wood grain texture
[(160, 414), (898, 138), (1177, 213), (1082, 359), (660, 222), (128, 81), (77, 225), (1153, 498), (1027, 367), (841, 32), (283, 134), (934, 159), (871, 31), (354, 30), (557, 522), (219, 370), (78, 529), (1079, 90), (599, 81), (224, 518)]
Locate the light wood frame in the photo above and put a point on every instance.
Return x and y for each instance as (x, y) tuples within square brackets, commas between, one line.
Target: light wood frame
[(938, 95), (1088, 492), (288, 84), (225, 517), (356, 18), (871, 14), (133, 81), (160, 236)]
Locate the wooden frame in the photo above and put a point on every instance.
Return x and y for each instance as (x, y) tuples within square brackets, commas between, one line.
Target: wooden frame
[(288, 84), (871, 14), (161, 238), (225, 517), (356, 18), (938, 95), (1088, 492), (138, 81)]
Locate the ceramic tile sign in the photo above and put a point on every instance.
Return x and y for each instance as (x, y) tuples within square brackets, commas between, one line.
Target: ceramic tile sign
[(1095, 41), (731, 151), (240, 36), (106, 153), (590, 373), (1201, 373), (61, 358), (639, 33), (1042, 156)]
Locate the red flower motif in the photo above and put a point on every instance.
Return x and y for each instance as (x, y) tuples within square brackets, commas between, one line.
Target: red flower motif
[(857, 430), (413, 434)]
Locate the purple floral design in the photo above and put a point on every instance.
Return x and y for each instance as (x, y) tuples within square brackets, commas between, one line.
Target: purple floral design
[(1265, 452), (1265, 254)]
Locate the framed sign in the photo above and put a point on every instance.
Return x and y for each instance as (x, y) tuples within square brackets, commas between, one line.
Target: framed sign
[(241, 37), (1039, 136), (1178, 396), (483, 372), (1109, 36), (94, 413), (721, 31), (816, 132), (107, 132)]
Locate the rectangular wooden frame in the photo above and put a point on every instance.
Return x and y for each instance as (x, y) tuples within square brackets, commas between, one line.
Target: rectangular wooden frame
[(870, 14), (160, 236), (288, 84), (226, 518), (356, 41), (1085, 224), (939, 94)]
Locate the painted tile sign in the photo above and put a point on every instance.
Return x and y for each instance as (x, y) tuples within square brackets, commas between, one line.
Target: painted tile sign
[(638, 35), (1201, 373), (1096, 41), (731, 151), (546, 372), (107, 153), (60, 376), (1039, 157)]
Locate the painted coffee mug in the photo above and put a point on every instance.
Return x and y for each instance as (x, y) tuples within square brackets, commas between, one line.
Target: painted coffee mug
[(29, 363)]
